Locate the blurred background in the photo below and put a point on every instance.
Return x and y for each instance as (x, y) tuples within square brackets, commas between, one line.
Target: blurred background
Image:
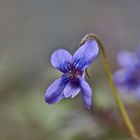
[(30, 30)]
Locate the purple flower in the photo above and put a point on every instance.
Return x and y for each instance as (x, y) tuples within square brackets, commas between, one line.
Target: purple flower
[(128, 77), (72, 81)]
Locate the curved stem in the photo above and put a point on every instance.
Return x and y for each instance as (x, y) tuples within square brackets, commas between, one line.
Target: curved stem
[(119, 103)]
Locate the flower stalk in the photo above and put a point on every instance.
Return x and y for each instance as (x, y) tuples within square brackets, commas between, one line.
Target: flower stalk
[(119, 103)]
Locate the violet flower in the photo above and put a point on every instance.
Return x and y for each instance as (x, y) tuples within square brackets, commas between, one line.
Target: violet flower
[(72, 81), (128, 77)]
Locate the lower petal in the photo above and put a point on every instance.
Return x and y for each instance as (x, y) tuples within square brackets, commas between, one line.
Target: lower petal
[(55, 91), (71, 90), (86, 93)]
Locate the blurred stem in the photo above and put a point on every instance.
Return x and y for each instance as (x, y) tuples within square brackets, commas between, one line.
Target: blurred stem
[(119, 103)]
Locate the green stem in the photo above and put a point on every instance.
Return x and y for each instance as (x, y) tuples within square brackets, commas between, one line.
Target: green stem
[(119, 103)]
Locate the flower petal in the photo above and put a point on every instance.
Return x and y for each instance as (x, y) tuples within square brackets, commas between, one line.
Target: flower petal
[(71, 90), (126, 59), (86, 93), (85, 55), (55, 91), (127, 79), (60, 59), (119, 77)]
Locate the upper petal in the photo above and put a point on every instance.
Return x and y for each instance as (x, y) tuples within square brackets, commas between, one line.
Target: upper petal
[(86, 93), (85, 55), (127, 59), (60, 59), (55, 91), (71, 89)]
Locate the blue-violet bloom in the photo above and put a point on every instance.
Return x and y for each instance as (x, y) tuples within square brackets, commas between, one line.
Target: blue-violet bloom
[(72, 81), (128, 77)]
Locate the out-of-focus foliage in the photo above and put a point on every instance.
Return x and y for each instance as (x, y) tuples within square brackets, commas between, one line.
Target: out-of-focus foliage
[(30, 30)]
